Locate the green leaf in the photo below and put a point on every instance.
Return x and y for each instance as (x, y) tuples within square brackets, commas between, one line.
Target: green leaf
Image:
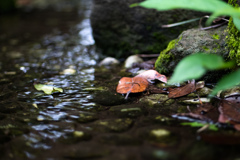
[(194, 66), (200, 5), (47, 89), (236, 22), (227, 82), (217, 7), (197, 124)]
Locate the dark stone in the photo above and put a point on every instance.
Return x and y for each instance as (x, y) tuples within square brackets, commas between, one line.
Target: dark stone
[(75, 137), (113, 125), (108, 98), (120, 31), (127, 111), (87, 117)]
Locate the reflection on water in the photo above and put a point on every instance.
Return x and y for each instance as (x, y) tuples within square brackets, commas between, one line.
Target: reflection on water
[(64, 51), (43, 62)]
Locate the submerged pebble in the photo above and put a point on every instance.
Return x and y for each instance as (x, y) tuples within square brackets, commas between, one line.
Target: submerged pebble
[(126, 111), (87, 117), (154, 99), (114, 125)]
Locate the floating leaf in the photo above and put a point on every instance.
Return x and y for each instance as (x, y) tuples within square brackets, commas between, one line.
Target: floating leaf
[(227, 82), (197, 124), (196, 65), (151, 75), (128, 85), (47, 89)]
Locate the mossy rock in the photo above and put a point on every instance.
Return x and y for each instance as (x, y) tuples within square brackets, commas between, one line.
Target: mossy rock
[(233, 37), (194, 41)]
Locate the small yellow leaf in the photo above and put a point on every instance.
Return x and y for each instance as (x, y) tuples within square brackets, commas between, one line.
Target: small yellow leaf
[(47, 89)]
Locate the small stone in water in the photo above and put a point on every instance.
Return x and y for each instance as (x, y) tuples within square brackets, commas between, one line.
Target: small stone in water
[(69, 71), (132, 59), (109, 61)]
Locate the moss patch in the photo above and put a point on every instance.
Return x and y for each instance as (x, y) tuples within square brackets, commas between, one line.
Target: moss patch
[(233, 38), (216, 36), (165, 57)]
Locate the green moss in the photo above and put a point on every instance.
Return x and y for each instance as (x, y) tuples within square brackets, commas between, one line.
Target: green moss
[(216, 36), (206, 48), (233, 38), (165, 57)]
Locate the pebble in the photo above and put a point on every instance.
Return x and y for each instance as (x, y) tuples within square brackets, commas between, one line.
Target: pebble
[(108, 61), (132, 59)]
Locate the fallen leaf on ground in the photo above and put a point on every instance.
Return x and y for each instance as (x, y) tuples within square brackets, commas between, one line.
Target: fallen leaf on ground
[(128, 85), (230, 109), (206, 112), (47, 89), (182, 91), (151, 75)]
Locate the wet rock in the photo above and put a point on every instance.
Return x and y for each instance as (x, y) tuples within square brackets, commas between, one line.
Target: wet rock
[(155, 120), (230, 92), (135, 30), (194, 101), (131, 60), (108, 98), (109, 61), (113, 125), (203, 92), (163, 119), (126, 111), (193, 41), (75, 137), (12, 107), (160, 136), (87, 117), (154, 99)]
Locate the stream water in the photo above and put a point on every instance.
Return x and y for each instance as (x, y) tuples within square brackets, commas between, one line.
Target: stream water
[(89, 120)]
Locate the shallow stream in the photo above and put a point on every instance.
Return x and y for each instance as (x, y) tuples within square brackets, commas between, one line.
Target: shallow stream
[(89, 120)]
